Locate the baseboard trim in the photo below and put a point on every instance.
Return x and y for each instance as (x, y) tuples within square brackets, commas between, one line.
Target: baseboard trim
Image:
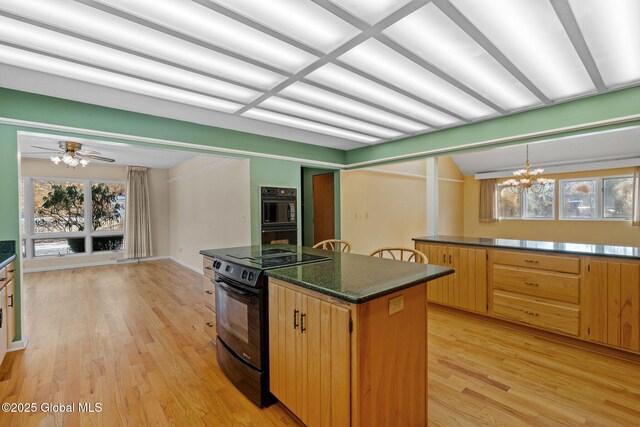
[(93, 264), (18, 345), (184, 264)]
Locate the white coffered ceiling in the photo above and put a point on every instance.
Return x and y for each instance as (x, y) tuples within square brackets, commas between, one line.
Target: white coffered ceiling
[(341, 73)]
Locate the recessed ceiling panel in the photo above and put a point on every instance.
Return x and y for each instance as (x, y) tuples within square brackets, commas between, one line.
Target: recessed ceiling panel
[(67, 14), (348, 82), (388, 65), (302, 20), (612, 31), (32, 61), (371, 10), (531, 35), (54, 43), (329, 100), (431, 35), (269, 116), (300, 110), (191, 18)]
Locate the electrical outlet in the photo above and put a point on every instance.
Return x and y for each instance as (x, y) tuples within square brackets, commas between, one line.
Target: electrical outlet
[(396, 304)]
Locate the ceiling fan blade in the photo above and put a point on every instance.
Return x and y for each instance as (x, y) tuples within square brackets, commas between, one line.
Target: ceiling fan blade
[(90, 156), (33, 153), (88, 152), (57, 150)]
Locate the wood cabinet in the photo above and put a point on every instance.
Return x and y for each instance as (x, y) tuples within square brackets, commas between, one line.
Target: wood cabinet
[(467, 287), (611, 303), (209, 296), (3, 323), (309, 356), (536, 289), (335, 363)]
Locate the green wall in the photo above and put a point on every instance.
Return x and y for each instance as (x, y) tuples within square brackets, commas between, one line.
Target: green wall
[(307, 194), (10, 205)]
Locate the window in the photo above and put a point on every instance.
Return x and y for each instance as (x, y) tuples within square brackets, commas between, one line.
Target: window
[(617, 194), (526, 205), (579, 199), (597, 198), (64, 217)]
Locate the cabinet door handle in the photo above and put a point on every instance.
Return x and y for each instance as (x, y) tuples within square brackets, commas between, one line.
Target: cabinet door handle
[(11, 297), (295, 319), (11, 271), (208, 292), (209, 324), (532, 261), (208, 268), (302, 317), (444, 258), (2, 279), (450, 259), (530, 313), (531, 284), (1, 318)]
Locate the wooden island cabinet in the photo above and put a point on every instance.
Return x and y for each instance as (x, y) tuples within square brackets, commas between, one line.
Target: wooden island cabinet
[(7, 308), (209, 293), (588, 292)]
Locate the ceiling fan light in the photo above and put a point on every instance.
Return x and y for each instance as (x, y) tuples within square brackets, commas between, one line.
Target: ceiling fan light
[(74, 162), (67, 158), (84, 162), (55, 159)]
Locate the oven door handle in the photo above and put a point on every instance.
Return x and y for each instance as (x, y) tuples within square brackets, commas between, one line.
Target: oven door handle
[(233, 289)]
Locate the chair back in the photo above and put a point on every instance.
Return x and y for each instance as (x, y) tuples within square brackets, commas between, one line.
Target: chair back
[(334, 245), (401, 254)]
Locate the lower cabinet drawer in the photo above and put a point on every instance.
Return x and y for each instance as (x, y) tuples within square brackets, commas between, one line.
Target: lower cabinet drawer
[(209, 324), (545, 284), (565, 264), (557, 316), (207, 266), (209, 293)]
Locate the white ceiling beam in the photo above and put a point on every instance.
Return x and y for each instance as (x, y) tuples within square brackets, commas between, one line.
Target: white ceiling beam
[(472, 31), (571, 27)]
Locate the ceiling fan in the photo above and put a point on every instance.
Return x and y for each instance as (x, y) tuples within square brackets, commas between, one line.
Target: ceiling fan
[(72, 154)]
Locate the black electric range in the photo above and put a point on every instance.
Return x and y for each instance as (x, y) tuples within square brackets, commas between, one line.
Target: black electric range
[(241, 312)]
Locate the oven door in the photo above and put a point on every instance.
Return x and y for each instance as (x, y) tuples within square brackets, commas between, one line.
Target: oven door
[(278, 212), (238, 319)]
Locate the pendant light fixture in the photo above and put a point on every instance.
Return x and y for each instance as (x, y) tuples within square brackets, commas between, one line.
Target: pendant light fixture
[(527, 179)]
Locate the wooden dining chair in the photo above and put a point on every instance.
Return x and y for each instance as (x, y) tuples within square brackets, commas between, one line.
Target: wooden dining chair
[(334, 245), (401, 254)]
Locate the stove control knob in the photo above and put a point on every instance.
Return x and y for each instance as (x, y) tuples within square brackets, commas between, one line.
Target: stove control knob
[(251, 275), (244, 274)]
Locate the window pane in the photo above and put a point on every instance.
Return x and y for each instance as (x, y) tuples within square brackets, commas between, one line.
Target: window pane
[(579, 199), (49, 247), (618, 197), (107, 207), (540, 205), (58, 206), (508, 203), (107, 243)]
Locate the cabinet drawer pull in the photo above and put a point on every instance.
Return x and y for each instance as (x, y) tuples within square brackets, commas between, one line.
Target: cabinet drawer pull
[(11, 271), (530, 313), (209, 324), (2, 279), (295, 319), (209, 292), (208, 268), (302, 328), (532, 261), (531, 284)]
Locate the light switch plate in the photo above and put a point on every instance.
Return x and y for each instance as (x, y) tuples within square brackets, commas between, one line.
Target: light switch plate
[(396, 304)]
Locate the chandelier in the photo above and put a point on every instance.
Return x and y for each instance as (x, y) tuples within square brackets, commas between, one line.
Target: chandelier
[(528, 179)]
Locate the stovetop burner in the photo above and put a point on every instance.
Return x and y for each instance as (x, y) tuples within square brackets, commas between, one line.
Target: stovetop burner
[(287, 259)]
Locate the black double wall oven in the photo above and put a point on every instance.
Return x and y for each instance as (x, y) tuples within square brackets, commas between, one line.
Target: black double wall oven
[(279, 215)]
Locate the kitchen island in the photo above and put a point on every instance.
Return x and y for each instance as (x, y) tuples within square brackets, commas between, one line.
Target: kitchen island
[(584, 291), (347, 335)]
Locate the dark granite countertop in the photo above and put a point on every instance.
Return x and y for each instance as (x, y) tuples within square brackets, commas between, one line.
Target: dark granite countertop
[(632, 252), (7, 252), (6, 258), (349, 277)]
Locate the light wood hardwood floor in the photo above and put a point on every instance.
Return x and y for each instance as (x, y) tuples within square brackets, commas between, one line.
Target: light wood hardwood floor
[(128, 336)]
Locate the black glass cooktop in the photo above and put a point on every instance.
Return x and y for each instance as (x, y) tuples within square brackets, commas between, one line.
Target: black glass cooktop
[(290, 258)]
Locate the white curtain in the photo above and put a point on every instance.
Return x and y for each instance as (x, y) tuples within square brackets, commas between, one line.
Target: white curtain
[(137, 222), (635, 216)]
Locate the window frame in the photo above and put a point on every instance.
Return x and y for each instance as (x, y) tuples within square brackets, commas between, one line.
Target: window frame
[(88, 233), (599, 198), (523, 206)]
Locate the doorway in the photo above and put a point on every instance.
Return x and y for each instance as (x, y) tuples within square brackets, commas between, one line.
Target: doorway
[(320, 205)]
